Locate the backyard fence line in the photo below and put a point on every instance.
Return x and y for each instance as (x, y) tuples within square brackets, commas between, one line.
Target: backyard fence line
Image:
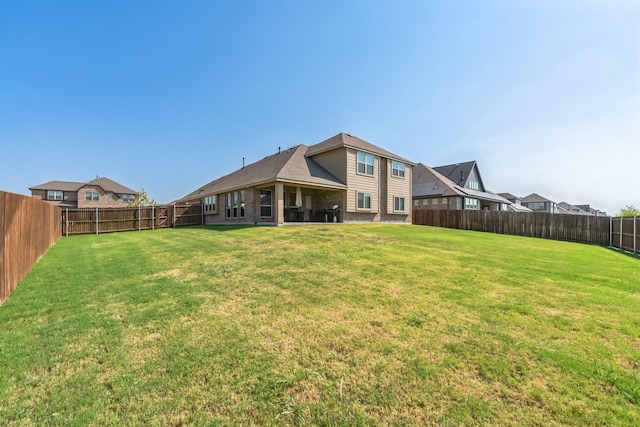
[(595, 230), (110, 220), (28, 227), (625, 233)]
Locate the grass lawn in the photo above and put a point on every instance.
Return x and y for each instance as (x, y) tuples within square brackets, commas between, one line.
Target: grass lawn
[(322, 325)]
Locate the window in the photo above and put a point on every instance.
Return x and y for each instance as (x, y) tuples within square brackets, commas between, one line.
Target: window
[(474, 185), (91, 195), (398, 204), (365, 163), (265, 203), (416, 203), (470, 203), (127, 198), (54, 195), (536, 206), (111, 195), (210, 204), (364, 200), (397, 169), (425, 202), (444, 200)]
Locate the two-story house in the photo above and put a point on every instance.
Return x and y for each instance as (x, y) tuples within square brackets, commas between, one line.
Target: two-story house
[(100, 192), (453, 187), (537, 203), (342, 179)]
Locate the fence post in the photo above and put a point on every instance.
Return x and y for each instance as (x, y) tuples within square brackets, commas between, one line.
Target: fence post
[(96, 220), (139, 211), (610, 231), (635, 234), (621, 229), (153, 217), (66, 220), (174, 216)]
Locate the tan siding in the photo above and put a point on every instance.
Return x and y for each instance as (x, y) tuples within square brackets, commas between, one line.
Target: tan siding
[(398, 187), (359, 183), (334, 161)]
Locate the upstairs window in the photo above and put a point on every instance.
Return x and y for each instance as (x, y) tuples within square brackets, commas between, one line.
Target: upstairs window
[(91, 195), (54, 195), (127, 198), (537, 206), (397, 169), (365, 163), (474, 185)]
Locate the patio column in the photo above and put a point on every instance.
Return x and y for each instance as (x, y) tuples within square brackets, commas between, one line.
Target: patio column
[(279, 217)]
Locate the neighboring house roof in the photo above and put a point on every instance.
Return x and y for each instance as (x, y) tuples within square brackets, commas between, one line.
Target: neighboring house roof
[(509, 196), (575, 210), (110, 185), (429, 182), (534, 197), (104, 183), (58, 186), (519, 208), (292, 165), (344, 140), (459, 172)]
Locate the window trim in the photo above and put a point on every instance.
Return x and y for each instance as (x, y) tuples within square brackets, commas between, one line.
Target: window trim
[(398, 169), (270, 205), (210, 204), (52, 194), (365, 197), (396, 205), (365, 164)]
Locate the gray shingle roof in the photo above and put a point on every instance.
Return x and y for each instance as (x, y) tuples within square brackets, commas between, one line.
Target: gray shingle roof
[(345, 140), (291, 166), (458, 172), (534, 197), (104, 183)]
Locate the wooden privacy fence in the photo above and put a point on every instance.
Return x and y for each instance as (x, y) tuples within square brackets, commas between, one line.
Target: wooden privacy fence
[(28, 227), (572, 228), (109, 220), (625, 233)]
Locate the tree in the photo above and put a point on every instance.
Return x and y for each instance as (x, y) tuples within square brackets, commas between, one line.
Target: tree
[(629, 210), (142, 199)]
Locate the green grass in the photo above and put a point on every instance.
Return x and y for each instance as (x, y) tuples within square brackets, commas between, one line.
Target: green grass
[(322, 325)]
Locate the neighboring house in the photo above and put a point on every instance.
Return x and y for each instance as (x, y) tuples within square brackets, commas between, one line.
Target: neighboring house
[(537, 203), (591, 210), (566, 208), (454, 187), (101, 192), (342, 179), (516, 203)]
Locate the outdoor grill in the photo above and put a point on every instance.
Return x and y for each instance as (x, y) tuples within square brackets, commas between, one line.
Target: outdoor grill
[(331, 214)]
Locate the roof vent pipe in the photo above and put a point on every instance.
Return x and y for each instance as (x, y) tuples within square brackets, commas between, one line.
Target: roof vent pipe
[(461, 176), (243, 163), (278, 150)]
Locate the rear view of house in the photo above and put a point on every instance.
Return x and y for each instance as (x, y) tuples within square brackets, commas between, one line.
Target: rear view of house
[(100, 192), (342, 179)]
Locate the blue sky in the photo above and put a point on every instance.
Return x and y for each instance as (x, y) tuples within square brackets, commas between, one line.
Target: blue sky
[(169, 95)]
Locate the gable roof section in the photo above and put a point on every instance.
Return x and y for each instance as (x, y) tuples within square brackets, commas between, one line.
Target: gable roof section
[(104, 183), (58, 186), (460, 172), (109, 185), (429, 182), (344, 140), (290, 165), (534, 197)]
